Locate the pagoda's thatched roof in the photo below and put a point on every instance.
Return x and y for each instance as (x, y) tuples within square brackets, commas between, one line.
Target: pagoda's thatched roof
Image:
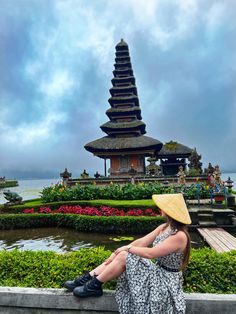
[(116, 144), (121, 88), (123, 110), (174, 148), (123, 125), (121, 79), (123, 99), (122, 43)]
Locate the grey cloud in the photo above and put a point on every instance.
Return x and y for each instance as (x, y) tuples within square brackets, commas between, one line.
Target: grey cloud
[(185, 85)]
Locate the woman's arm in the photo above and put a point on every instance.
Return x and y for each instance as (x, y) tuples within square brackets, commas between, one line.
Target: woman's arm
[(149, 238), (174, 243), (144, 241)]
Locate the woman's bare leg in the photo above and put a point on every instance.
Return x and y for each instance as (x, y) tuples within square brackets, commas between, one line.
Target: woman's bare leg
[(98, 270), (114, 269)]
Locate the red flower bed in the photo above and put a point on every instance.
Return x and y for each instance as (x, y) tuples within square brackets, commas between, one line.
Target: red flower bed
[(93, 211)]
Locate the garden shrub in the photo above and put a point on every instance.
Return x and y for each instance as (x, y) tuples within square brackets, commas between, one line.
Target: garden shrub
[(208, 271), (120, 192), (211, 272), (47, 269), (112, 224)]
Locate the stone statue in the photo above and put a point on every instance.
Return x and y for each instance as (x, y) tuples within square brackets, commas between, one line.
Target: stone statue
[(181, 175), (195, 163), (152, 169), (210, 168), (65, 176), (12, 197), (97, 175), (84, 175), (217, 174), (2, 179)]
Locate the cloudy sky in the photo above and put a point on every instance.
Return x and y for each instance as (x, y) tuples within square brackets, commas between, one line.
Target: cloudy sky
[(56, 62)]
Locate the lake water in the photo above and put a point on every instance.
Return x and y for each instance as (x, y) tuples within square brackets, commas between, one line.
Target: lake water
[(66, 240), (30, 189)]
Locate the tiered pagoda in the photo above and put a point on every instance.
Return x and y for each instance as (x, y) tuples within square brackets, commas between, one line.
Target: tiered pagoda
[(125, 144)]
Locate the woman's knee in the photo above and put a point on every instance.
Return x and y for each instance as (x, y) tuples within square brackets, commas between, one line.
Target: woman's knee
[(122, 256)]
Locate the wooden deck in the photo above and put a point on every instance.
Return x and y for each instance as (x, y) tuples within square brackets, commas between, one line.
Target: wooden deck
[(218, 239)]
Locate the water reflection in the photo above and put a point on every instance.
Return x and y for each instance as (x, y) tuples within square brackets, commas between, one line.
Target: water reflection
[(54, 239), (63, 240)]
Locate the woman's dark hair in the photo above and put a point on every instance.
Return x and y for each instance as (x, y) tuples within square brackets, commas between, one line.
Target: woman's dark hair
[(175, 225)]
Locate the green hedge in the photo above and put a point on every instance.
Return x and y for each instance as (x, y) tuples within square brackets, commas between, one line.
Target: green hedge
[(112, 224), (208, 271), (211, 272), (47, 269)]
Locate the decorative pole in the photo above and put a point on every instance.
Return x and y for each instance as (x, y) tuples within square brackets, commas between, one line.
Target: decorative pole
[(105, 167), (198, 192)]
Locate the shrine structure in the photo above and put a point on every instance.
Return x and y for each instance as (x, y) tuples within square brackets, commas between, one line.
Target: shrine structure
[(172, 156), (125, 144)]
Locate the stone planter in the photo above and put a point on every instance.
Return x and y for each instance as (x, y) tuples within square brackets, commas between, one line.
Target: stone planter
[(219, 198)]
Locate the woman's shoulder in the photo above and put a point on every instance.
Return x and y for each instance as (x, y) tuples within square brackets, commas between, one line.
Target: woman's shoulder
[(180, 236), (162, 227)]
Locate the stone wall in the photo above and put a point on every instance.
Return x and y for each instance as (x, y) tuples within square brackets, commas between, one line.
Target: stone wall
[(52, 301)]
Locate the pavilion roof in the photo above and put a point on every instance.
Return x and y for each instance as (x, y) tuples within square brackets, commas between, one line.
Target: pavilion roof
[(174, 148), (109, 144)]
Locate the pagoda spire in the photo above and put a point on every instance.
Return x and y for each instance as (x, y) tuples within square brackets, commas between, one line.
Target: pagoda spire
[(125, 113), (125, 144)]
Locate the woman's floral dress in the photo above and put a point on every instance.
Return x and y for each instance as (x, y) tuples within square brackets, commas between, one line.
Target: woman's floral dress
[(150, 288)]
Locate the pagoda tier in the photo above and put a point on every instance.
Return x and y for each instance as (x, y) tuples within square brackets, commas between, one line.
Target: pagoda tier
[(123, 72), (107, 146), (123, 81), (125, 144), (122, 59), (122, 65), (124, 101), (116, 113), (135, 127), (123, 90)]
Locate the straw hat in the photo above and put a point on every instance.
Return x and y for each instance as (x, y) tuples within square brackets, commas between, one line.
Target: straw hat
[(174, 206)]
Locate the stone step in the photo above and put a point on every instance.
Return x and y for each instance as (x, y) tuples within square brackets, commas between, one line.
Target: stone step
[(205, 217), (204, 211), (207, 223)]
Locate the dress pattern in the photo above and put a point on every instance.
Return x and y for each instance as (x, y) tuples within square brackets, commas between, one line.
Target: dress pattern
[(147, 287)]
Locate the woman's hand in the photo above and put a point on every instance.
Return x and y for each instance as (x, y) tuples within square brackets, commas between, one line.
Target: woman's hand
[(117, 251), (122, 248)]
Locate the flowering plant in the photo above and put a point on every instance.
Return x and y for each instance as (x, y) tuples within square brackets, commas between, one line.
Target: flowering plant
[(93, 211)]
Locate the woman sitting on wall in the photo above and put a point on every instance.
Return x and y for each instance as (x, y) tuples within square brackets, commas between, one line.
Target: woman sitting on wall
[(144, 285)]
